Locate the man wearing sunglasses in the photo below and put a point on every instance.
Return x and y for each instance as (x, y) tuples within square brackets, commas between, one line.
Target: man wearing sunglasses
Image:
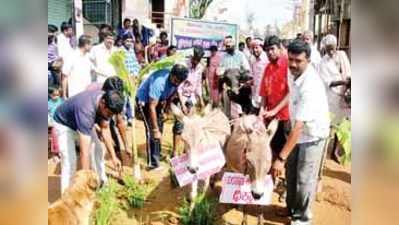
[(151, 100), (81, 116)]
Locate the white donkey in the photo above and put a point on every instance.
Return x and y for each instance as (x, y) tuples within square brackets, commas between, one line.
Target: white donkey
[(199, 130), (248, 152)]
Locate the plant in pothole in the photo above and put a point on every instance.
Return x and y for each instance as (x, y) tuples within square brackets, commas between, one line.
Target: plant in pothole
[(134, 192), (202, 213), (107, 203)]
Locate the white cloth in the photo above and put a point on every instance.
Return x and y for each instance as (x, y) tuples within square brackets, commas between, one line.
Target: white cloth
[(78, 70), (336, 68), (64, 46), (100, 55), (308, 103), (65, 49), (315, 57), (66, 140), (258, 66)]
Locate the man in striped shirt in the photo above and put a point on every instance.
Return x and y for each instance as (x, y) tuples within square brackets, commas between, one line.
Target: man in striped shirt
[(232, 59)]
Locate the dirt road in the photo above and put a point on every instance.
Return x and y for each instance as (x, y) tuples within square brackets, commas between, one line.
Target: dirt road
[(332, 207)]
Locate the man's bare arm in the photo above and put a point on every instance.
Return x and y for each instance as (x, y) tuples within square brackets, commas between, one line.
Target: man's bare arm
[(292, 139)]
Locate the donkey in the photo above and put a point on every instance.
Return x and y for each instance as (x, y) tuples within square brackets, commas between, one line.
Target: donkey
[(198, 130), (248, 152)]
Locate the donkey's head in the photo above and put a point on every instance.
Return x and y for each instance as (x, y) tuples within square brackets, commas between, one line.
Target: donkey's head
[(201, 130), (257, 157)]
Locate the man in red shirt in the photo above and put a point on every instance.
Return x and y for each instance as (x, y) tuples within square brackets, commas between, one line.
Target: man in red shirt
[(274, 92)]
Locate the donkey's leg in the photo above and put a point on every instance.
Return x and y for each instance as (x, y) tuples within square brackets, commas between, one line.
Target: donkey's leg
[(260, 215), (193, 193), (206, 185), (244, 215)]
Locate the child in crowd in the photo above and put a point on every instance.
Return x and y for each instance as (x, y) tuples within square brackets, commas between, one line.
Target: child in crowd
[(54, 100)]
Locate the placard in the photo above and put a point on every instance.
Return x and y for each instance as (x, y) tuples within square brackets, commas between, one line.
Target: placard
[(211, 160), (236, 189)]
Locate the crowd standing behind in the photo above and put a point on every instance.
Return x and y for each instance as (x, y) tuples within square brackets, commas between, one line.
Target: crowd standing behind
[(289, 79)]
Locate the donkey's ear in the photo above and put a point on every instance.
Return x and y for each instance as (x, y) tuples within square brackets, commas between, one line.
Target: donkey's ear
[(272, 128)]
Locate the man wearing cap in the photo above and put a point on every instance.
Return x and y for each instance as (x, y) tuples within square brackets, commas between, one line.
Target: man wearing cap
[(335, 66), (258, 64)]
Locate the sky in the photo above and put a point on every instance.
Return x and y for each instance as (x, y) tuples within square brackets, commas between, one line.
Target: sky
[(265, 11)]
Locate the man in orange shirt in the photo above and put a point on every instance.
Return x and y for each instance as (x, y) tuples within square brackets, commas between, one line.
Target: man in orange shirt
[(274, 92)]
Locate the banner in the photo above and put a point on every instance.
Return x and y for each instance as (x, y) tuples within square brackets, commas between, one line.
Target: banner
[(210, 161), (236, 189), (187, 33)]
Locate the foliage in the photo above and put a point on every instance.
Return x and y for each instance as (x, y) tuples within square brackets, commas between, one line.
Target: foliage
[(107, 204), (164, 63), (134, 193), (344, 135), (198, 8), (117, 60), (387, 137), (203, 213)]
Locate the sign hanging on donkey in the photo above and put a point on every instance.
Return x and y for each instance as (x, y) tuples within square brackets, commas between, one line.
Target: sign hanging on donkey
[(211, 160)]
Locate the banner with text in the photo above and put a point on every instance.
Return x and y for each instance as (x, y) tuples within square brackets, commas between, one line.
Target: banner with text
[(236, 189), (187, 33), (210, 161)]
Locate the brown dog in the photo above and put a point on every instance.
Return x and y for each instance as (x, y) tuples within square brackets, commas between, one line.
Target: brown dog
[(76, 203)]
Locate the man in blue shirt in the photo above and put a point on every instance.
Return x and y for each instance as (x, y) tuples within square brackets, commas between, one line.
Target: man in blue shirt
[(83, 116), (151, 98)]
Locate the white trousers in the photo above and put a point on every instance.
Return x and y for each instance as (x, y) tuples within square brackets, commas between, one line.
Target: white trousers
[(66, 140)]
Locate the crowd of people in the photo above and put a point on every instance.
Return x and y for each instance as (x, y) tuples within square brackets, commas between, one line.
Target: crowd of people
[(288, 80)]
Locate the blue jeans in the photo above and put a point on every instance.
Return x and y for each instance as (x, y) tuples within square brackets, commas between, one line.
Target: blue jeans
[(153, 146), (302, 175)]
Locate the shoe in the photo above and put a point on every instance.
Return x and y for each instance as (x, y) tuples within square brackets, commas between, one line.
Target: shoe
[(154, 168), (300, 222)]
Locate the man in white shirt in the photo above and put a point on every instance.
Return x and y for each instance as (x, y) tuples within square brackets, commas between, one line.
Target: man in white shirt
[(248, 50), (64, 40), (79, 68), (335, 66), (315, 57), (258, 64), (100, 55), (303, 150)]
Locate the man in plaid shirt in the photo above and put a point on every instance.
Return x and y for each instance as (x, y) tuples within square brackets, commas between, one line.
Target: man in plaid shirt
[(132, 66)]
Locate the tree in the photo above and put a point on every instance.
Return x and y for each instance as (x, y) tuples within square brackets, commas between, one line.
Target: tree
[(198, 8), (250, 17)]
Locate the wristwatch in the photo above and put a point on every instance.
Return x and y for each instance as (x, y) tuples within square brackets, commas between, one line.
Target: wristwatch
[(281, 159)]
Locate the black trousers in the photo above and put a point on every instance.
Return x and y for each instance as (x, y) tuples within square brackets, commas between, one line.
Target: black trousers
[(280, 137), (153, 146)]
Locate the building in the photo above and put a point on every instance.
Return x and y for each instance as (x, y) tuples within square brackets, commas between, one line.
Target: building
[(333, 17), (59, 11), (97, 12)]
